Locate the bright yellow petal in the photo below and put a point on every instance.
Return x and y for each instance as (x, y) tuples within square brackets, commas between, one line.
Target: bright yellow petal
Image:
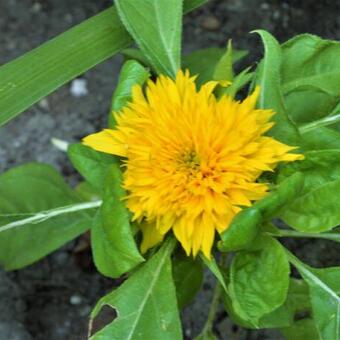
[(107, 141)]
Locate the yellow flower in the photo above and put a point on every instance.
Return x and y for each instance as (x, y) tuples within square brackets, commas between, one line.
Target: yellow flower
[(191, 160)]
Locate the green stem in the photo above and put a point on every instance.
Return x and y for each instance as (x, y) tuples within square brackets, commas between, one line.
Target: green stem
[(293, 233), (213, 309), (329, 120)]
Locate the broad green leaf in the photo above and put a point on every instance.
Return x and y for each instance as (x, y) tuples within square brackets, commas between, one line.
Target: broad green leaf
[(246, 225), (145, 303), (105, 255), (242, 231), (259, 280), (115, 221), (156, 26), (132, 73), (39, 72), (269, 80), (310, 70), (91, 164), (188, 278), (87, 192), (296, 306), (325, 297), (321, 138), (318, 168), (203, 62), (315, 209), (38, 214)]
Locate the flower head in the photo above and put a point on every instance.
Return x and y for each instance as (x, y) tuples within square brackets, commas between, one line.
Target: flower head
[(192, 160)]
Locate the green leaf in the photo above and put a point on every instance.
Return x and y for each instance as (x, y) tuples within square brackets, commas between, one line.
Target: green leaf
[(310, 69), (296, 306), (321, 138), (188, 278), (301, 330), (246, 225), (38, 214), (115, 220), (259, 280), (324, 293), (145, 303), (132, 73), (39, 72), (318, 168), (239, 82), (91, 164), (215, 269), (160, 38), (224, 67), (242, 231), (315, 209), (269, 80), (302, 326), (203, 62), (105, 255)]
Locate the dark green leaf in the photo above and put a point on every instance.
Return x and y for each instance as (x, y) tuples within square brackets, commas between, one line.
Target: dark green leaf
[(259, 280), (188, 278), (37, 190), (116, 224), (132, 73), (269, 80), (160, 38), (91, 164), (145, 304)]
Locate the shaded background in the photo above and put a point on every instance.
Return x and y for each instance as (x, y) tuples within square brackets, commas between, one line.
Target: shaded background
[(52, 299)]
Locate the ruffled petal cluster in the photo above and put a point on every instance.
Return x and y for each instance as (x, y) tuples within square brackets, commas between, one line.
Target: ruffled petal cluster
[(191, 160)]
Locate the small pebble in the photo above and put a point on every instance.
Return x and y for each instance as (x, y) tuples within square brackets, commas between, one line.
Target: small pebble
[(76, 300), (211, 23), (36, 7), (44, 104), (79, 88), (264, 6)]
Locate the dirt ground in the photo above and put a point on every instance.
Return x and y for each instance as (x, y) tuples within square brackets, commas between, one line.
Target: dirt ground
[(52, 299)]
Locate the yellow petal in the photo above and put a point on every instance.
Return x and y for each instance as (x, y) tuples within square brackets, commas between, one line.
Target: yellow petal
[(107, 141), (151, 236)]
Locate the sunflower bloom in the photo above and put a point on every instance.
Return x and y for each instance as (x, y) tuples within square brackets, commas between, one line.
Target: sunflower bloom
[(191, 160)]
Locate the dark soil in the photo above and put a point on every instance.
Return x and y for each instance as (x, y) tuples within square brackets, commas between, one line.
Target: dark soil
[(52, 299)]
